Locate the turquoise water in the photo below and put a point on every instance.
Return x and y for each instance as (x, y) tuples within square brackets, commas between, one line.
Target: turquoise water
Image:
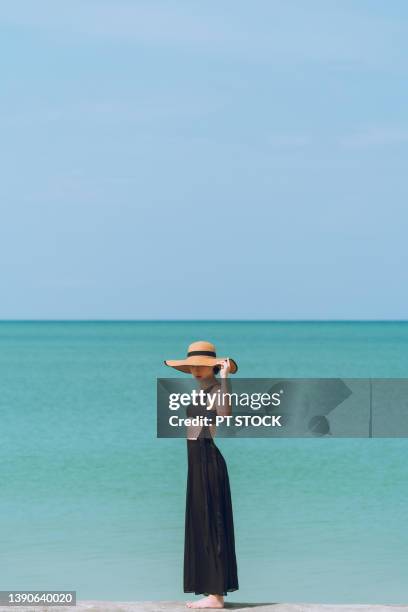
[(92, 501)]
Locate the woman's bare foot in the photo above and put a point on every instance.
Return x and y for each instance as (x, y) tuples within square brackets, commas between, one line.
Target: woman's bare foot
[(212, 601)]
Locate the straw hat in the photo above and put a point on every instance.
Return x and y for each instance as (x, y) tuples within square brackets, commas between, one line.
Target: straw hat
[(200, 353)]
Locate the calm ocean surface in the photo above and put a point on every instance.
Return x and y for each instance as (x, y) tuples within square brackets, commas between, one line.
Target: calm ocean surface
[(92, 501)]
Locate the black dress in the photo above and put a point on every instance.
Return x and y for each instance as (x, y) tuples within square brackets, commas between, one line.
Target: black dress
[(210, 565)]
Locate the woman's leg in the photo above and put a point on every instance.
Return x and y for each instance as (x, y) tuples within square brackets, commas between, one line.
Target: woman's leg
[(212, 601)]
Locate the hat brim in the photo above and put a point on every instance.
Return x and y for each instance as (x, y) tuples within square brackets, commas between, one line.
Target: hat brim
[(183, 365)]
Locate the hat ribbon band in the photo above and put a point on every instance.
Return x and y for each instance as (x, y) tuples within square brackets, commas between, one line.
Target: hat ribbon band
[(206, 353)]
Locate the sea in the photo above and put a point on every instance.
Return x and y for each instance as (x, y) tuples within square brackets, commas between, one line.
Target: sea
[(92, 501)]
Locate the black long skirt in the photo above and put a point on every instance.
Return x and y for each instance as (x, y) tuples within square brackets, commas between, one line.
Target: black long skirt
[(210, 565)]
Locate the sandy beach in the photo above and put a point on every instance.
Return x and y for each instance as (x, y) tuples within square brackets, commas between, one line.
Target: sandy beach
[(178, 606)]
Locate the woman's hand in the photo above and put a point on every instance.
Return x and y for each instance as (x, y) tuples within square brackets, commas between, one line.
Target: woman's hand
[(225, 368)]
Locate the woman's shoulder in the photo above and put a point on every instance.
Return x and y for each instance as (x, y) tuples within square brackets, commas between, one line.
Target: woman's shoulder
[(215, 386)]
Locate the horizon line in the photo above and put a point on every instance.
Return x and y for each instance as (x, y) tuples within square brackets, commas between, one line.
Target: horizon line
[(203, 320)]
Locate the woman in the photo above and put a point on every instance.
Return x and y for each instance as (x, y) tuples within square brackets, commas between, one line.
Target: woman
[(210, 566)]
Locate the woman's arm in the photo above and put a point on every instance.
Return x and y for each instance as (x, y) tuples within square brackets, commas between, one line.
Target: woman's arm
[(223, 406)]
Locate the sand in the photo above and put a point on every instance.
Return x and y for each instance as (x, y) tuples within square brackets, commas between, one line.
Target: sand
[(178, 606)]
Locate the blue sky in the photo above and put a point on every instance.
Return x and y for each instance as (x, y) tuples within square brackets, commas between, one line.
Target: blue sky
[(187, 160)]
